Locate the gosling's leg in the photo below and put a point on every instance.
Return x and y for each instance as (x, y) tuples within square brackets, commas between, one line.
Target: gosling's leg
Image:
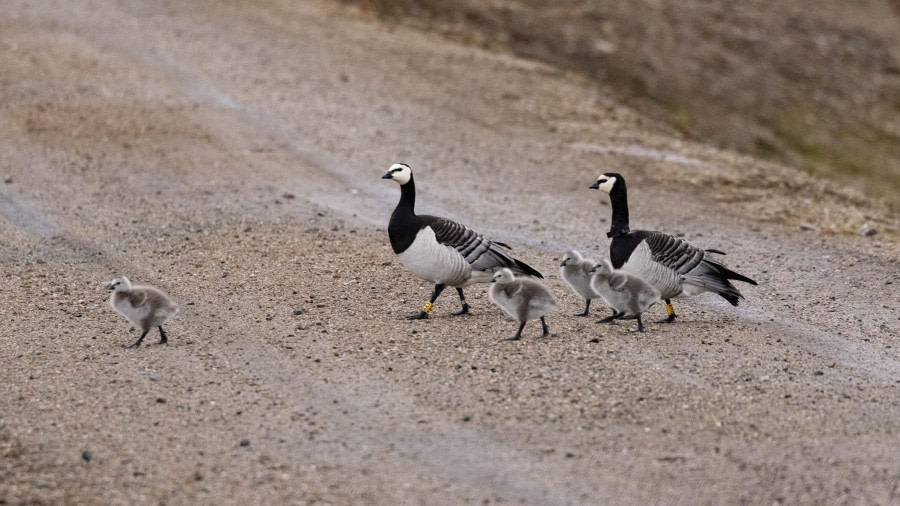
[(138, 342), (670, 311), (640, 324), (518, 334), (438, 288), (587, 306), (163, 338), (465, 306), (545, 327), (615, 316)]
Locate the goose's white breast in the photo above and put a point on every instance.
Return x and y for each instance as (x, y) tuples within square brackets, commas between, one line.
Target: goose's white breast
[(433, 261), (641, 263)]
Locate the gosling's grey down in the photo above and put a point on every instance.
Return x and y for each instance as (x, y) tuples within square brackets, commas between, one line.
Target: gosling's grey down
[(522, 298), (443, 251), (627, 294), (671, 264), (575, 271), (144, 306)]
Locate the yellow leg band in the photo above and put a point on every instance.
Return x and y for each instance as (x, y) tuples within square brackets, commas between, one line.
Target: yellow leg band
[(670, 309), (427, 307)]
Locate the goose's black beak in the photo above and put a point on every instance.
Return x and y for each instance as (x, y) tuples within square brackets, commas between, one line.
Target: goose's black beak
[(595, 186), (562, 264), (387, 175)]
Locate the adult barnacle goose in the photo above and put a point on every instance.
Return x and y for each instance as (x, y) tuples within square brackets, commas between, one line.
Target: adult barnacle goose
[(443, 251), (671, 264)]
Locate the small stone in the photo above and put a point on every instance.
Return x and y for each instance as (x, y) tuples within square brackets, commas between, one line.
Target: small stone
[(160, 400), (288, 196), (818, 373), (86, 456), (467, 418), (298, 312), (198, 476), (245, 442), (866, 230), (155, 377), (808, 226), (570, 455), (7, 179), (595, 340)]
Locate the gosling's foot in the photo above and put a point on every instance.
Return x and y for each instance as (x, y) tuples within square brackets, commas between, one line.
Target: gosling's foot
[(463, 311)]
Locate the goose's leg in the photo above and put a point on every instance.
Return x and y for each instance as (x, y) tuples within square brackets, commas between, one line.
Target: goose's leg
[(465, 306), (518, 334), (545, 327), (138, 342), (163, 338), (587, 306), (670, 311), (438, 288), (615, 316)]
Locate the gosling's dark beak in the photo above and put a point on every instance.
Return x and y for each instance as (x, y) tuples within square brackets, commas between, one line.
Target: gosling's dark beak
[(562, 264), (595, 186), (387, 175)]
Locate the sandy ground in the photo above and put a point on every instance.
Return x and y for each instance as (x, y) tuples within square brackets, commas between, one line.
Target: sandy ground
[(232, 156)]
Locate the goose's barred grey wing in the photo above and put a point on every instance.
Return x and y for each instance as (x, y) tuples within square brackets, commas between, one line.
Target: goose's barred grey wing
[(674, 252), (695, 265), (482, 254)]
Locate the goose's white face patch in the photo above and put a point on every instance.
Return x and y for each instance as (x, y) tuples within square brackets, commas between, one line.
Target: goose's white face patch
[(606, 183), (400, 172)]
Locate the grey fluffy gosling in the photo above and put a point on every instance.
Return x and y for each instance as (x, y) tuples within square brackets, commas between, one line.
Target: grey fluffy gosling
[(627, 294), (575, 271), (522, 298), (144, 306)]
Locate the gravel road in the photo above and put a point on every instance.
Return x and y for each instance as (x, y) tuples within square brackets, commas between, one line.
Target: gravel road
[(230, 153)]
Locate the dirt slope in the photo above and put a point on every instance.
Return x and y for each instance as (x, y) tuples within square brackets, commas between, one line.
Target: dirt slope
[(231, 155), (815, 83)]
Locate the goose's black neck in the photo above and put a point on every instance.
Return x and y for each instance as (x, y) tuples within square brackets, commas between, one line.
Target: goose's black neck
[(618, 198), (403, 227), (407, 204)]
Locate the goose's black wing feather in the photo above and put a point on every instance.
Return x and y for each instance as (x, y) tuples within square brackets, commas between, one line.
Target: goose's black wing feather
[(482, 254), (674, 252)]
